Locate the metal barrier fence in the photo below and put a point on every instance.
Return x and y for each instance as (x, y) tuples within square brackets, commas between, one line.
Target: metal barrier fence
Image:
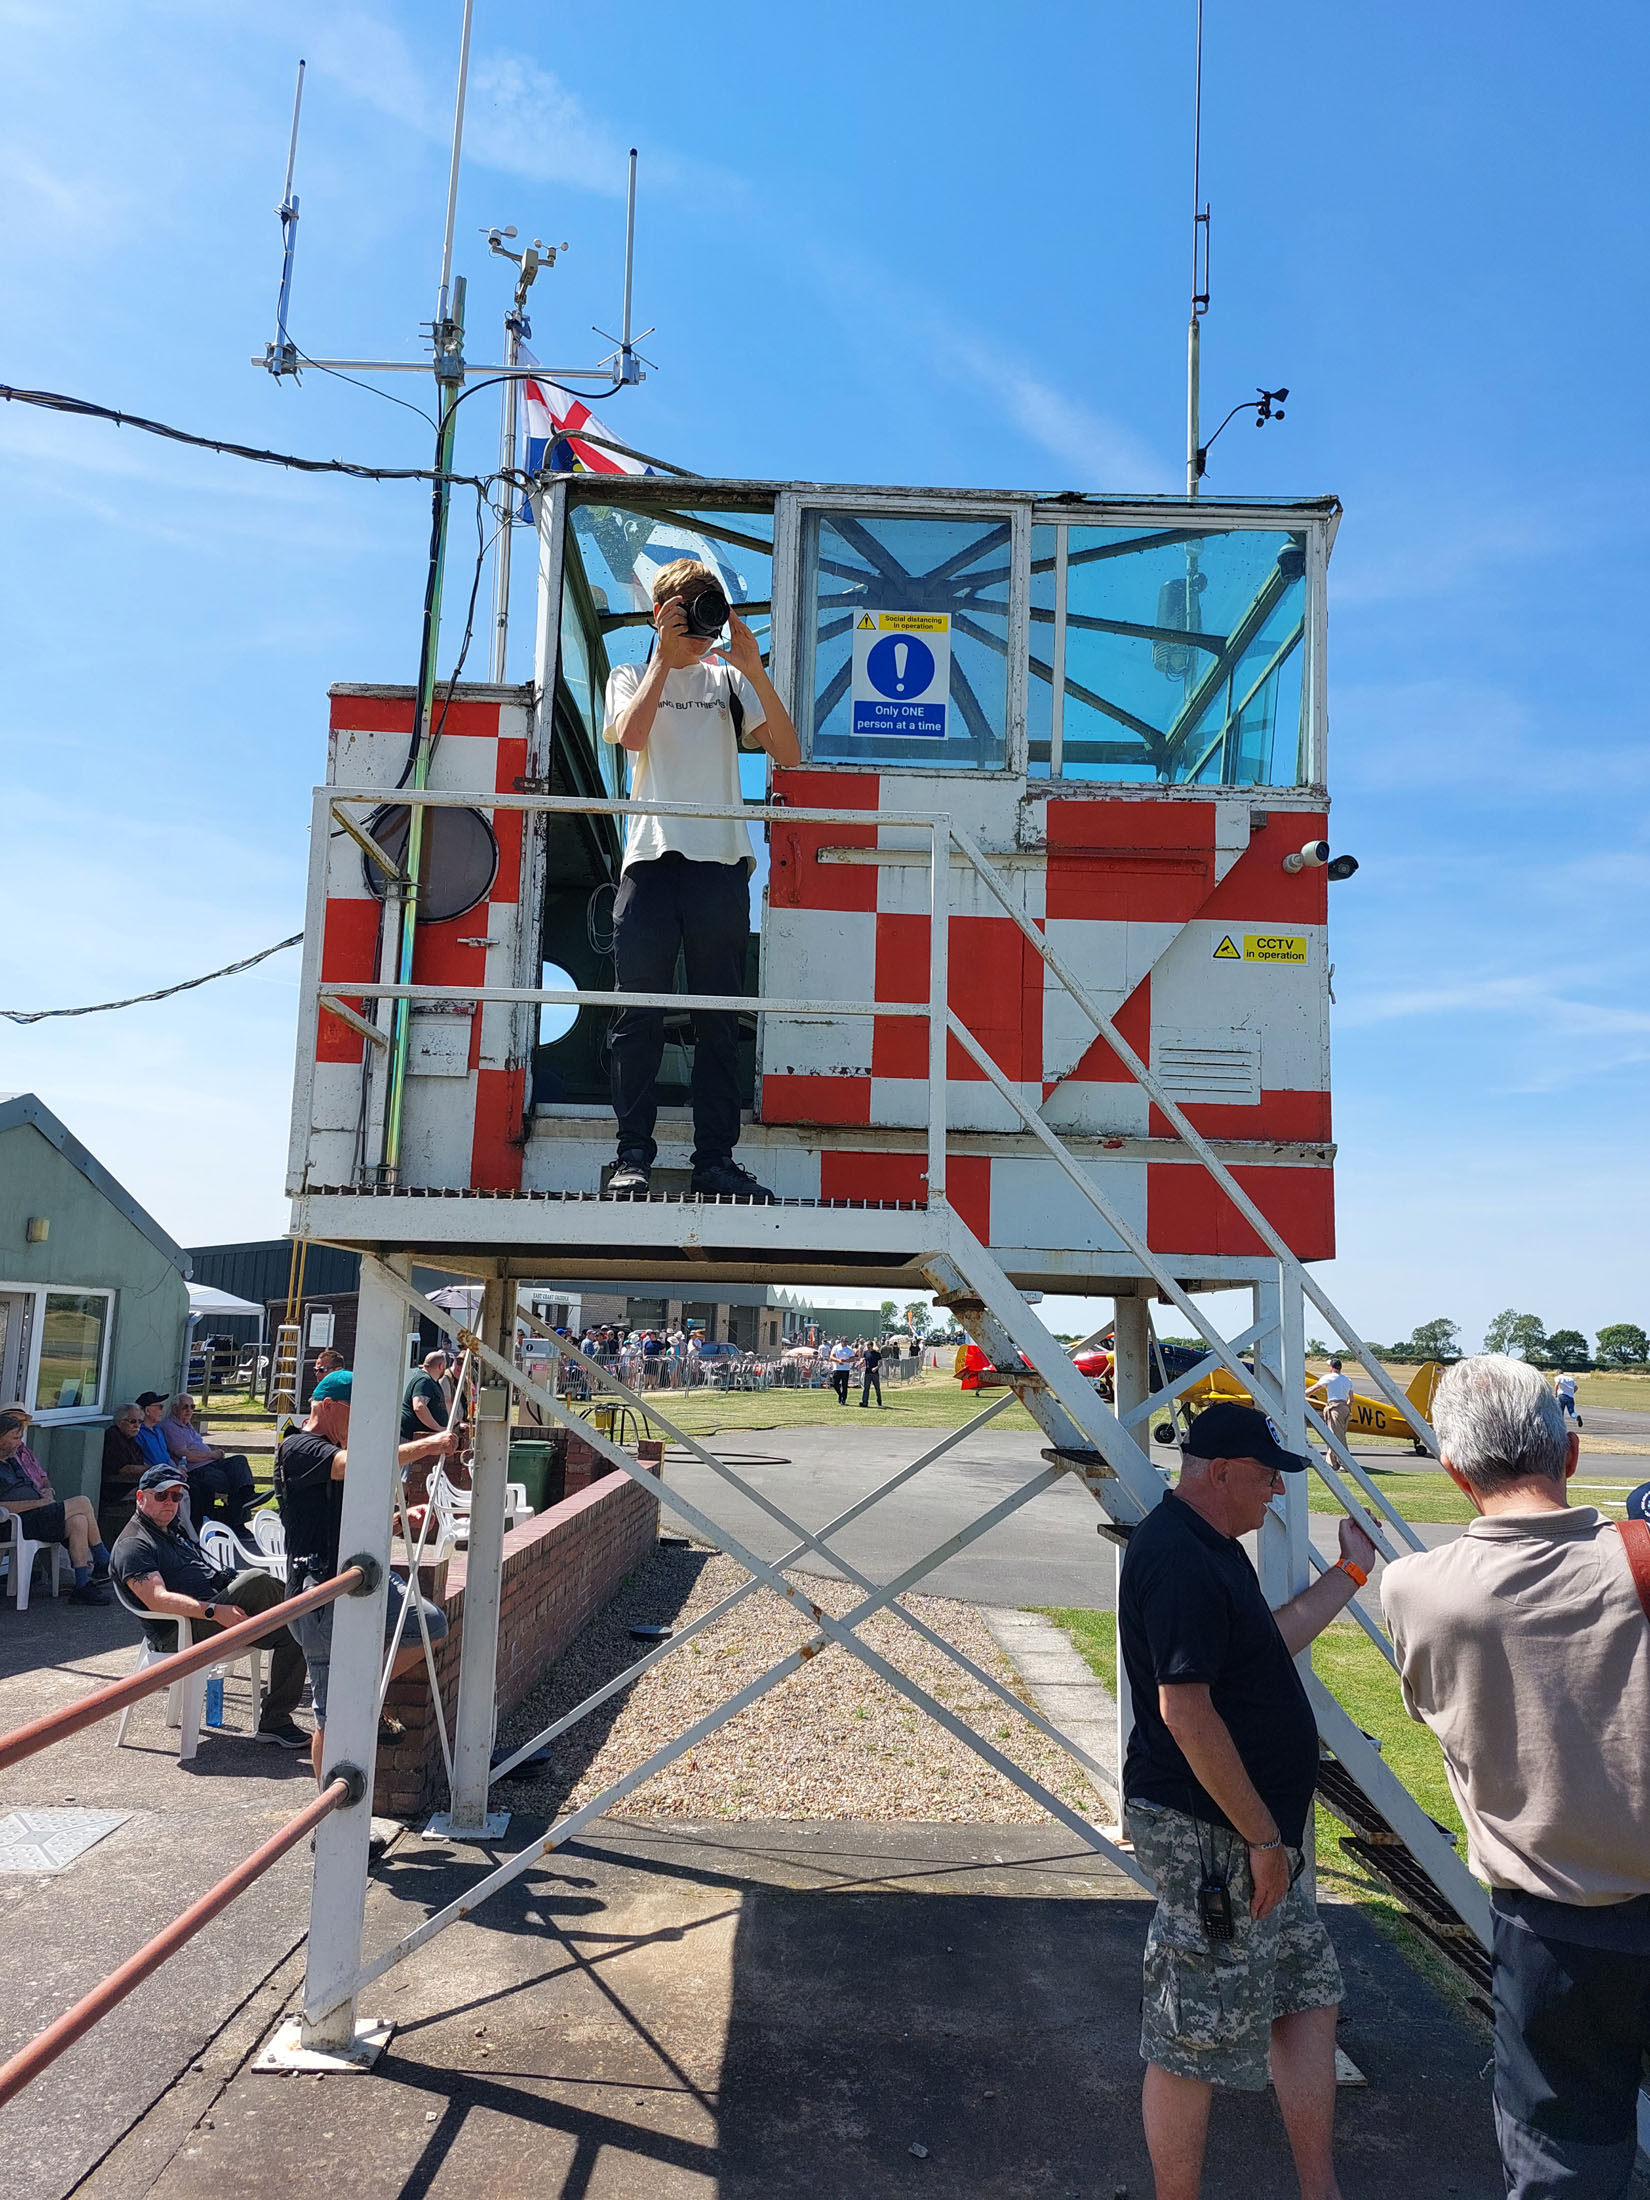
[(347, 1785)]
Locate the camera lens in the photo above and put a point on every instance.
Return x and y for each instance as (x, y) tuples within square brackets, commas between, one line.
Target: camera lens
[(707, 612)]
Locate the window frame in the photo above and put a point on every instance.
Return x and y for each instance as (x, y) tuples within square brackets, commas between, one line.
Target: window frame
[(796, 506), (58, 1416), (1311, 521)]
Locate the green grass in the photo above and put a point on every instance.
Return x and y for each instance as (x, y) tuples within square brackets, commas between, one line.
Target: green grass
[(928, 1401), (1434, 1497), (1095, 1635)]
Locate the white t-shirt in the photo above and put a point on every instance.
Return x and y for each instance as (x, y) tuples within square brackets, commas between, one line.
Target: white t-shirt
[(691, 756), (1336, 1388)]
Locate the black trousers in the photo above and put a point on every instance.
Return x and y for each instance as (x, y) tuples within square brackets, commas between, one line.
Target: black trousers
[(1572, 2029), (701, 910), (873, 1378), (223, 1490), (839, 1383)]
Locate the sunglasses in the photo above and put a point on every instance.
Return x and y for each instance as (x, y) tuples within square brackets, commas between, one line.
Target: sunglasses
[(167, 1497)]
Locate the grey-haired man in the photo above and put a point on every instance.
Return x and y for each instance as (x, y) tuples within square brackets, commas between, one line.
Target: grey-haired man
[(1525, 1646)]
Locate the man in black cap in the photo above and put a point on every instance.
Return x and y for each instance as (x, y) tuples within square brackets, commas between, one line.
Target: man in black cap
[(1239, 1972), (160, 1565)]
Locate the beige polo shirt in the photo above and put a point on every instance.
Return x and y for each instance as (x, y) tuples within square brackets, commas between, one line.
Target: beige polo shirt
[(1524, 1647)]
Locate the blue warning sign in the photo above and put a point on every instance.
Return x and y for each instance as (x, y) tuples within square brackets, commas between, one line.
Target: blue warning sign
[(901, 675)]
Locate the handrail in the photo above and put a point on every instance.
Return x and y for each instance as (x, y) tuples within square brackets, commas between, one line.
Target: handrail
[(57, 1726), (1194, 1138), (44, 2049)]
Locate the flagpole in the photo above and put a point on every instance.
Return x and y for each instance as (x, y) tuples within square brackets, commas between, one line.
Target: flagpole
[(509, 398)]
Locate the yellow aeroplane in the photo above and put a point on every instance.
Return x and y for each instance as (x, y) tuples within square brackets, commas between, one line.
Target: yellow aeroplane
[(1370, 1415)]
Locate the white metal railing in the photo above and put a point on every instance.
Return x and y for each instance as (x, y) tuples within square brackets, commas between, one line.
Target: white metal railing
[(1365, 1502)]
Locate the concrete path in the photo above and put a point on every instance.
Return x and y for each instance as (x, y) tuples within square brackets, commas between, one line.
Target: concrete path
[(681, 2011), (1063, 1687)]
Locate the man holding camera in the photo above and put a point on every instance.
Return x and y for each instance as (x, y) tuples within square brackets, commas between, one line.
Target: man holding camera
[(685, 883), (1222, 1763)]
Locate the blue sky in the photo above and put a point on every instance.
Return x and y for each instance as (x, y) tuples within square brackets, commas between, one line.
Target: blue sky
[(911, 244)]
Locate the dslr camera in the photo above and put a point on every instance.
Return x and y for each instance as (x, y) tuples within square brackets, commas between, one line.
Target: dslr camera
[(706, 611)]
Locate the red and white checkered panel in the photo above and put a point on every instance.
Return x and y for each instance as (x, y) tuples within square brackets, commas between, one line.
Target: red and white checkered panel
[(466, 1089), (1137, 891)]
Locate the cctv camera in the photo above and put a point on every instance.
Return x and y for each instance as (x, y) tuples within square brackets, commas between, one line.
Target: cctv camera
[(1310, 858), (1343, 867)]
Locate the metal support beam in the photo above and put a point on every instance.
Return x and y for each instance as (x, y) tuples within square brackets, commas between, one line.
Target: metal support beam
[(339, 1892), (1130, 1387), (469, 1818)]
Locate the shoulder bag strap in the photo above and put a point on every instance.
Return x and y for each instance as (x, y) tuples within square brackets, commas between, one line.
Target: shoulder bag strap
[(1635, 1534)]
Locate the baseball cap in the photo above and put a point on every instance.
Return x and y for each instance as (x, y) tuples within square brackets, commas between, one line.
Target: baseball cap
[(1638, 1502), (150, 1398), (337, 1385), (162, 1478), (1241, 1432)]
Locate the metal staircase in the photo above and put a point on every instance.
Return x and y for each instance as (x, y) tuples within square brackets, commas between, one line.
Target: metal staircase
[(1389, 1832)]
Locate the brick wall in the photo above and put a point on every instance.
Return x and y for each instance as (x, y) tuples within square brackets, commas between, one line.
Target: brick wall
[(560, 1568)]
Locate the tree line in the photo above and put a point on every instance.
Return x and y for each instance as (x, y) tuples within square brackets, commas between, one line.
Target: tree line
[(1619, 1346)]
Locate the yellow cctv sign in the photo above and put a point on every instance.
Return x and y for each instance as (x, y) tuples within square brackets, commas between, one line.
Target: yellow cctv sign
[(1263, 947)]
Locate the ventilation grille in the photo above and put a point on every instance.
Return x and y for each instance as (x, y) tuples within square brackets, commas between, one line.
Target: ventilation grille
[(1225, 1071)]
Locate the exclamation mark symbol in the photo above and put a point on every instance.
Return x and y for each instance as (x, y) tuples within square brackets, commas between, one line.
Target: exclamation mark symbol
[(902, 652)]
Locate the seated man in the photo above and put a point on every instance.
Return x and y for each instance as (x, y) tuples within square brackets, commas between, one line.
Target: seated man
[(220, 1484), (47, 1518), (685, 882), (309, 1483), (424, 1403), (123, 1458), (159, 1564)]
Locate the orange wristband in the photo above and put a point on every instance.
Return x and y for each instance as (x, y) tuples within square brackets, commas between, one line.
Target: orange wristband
[(1345, 1566)]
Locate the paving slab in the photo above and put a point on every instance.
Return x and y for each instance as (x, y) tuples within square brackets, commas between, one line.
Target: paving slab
[(691, 2009)]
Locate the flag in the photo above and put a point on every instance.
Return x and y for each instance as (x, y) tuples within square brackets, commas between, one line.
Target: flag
[(548, 412)]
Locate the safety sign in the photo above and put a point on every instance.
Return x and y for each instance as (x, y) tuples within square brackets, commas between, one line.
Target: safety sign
[(1263, 947), (901, 674)]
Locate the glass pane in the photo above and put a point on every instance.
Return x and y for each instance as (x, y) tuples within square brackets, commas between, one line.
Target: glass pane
[(909, 640), (71, 1349), (1183, 655)]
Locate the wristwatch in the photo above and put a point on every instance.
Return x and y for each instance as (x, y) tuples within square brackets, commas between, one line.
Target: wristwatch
[(208, 1611)]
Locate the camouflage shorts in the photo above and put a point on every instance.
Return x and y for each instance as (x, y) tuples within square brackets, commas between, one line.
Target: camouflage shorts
[(1207, 2009)]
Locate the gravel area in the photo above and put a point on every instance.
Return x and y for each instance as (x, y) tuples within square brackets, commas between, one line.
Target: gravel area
[(830, 1741)]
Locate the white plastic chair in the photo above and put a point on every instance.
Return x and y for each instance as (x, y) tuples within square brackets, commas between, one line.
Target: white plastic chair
[(269, 1534), (186, 1698), (225, 1548), (453, 1509), (21, 1551)]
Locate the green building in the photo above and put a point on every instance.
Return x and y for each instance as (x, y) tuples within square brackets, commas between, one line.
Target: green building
[(94, 1297)]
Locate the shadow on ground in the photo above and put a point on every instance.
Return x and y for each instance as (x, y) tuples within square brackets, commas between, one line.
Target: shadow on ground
[(743, 2010)]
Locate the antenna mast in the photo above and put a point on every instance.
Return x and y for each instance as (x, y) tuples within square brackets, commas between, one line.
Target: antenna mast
[(281, 357), (1200, 274)]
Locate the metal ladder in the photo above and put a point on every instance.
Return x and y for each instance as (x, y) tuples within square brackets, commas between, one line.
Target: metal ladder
[(286, 1368)]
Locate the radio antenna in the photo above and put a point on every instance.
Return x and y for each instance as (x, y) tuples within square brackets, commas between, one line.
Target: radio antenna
[(1200, 274), (281, 357)]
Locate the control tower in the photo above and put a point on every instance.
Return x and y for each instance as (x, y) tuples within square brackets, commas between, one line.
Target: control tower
[(1037, 997)]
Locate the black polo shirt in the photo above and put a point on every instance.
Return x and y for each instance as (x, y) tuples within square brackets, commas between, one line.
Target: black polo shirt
[(311, 1502), (1190, 1608), (143, 1547), (426, 1388)]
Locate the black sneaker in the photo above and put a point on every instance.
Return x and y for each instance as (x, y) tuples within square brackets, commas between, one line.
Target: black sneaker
[(288, 1735), (727, 1180), (87, 1594), (628, 1181)]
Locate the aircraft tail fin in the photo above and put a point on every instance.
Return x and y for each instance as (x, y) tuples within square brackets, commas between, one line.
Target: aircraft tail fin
[(1423, 1386)]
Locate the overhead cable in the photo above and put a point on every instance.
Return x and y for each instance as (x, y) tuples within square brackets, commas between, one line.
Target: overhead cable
[(55, 401), (96, 1008)]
